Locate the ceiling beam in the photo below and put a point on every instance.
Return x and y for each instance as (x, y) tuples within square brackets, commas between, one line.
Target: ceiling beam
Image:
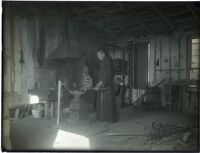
[(111, 21), (133, 17), (110, 33), (163, 17), (101, 41), (193, 13)]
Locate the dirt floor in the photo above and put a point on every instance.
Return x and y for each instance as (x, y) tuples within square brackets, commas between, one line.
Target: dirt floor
[(134, 127)]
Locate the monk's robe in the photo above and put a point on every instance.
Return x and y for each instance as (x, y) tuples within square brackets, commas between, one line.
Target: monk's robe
[(106, 109)]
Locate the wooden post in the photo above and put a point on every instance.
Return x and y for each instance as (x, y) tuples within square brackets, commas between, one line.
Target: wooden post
[(179, 57), (6, 127), (130, 77), (51, 105), (170, 58), (46, 109), (155, 60), (123, 77), (161, 58), (58, 108)]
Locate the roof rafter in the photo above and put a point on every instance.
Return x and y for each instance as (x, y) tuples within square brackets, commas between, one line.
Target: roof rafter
[(95, 24), (193, 13), (111, 21), (130, 13), (98, 26), (163, 17)]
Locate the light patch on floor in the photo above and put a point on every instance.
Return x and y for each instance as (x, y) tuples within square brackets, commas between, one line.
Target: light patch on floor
[(67, 140)]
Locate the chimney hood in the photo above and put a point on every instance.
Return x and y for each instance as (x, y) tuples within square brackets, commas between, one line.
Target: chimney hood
[(65, 50)]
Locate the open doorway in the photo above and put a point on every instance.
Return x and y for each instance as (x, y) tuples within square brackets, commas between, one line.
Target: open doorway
[(141, 70)]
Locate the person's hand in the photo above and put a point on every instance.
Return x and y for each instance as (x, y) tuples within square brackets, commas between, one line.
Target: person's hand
[(100, 83), (97, 87)]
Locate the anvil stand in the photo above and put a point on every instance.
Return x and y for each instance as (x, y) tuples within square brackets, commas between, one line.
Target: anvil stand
[(78, 110), (101, 90)]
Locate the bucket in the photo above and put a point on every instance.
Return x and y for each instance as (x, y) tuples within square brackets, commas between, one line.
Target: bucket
[(36, 113)]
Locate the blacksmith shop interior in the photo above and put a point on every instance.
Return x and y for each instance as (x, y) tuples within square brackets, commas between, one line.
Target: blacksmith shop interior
[(100, 76)]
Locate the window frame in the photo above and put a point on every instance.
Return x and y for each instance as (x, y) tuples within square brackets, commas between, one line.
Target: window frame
[(189, 54)]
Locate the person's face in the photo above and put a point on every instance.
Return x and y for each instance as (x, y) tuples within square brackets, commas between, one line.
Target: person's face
[(100, 56)]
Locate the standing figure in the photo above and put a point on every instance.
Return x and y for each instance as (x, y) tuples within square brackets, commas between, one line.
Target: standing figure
[(106, 109)]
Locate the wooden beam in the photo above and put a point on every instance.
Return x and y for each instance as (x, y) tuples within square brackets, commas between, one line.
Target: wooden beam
[(193, 13), (123, 77), (163, 17), (104, 42), (74, 10), (114, 36), (130, 14), (111, 21), (177, 13)]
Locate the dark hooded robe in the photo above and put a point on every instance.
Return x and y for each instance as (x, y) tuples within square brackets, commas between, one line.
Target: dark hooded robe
[(106, 109)]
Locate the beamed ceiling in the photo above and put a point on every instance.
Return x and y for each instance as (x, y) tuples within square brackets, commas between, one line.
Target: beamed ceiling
[(126, 19)]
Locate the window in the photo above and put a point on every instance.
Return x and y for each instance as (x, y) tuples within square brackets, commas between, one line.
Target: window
[(195, 62)]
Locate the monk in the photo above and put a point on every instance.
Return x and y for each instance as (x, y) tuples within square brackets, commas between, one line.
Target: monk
[(106, 109)]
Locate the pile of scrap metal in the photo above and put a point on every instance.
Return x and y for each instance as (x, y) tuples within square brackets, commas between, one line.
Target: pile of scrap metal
[(164, 133)]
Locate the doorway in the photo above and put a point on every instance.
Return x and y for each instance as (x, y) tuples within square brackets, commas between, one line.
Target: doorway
[(141, 60)]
